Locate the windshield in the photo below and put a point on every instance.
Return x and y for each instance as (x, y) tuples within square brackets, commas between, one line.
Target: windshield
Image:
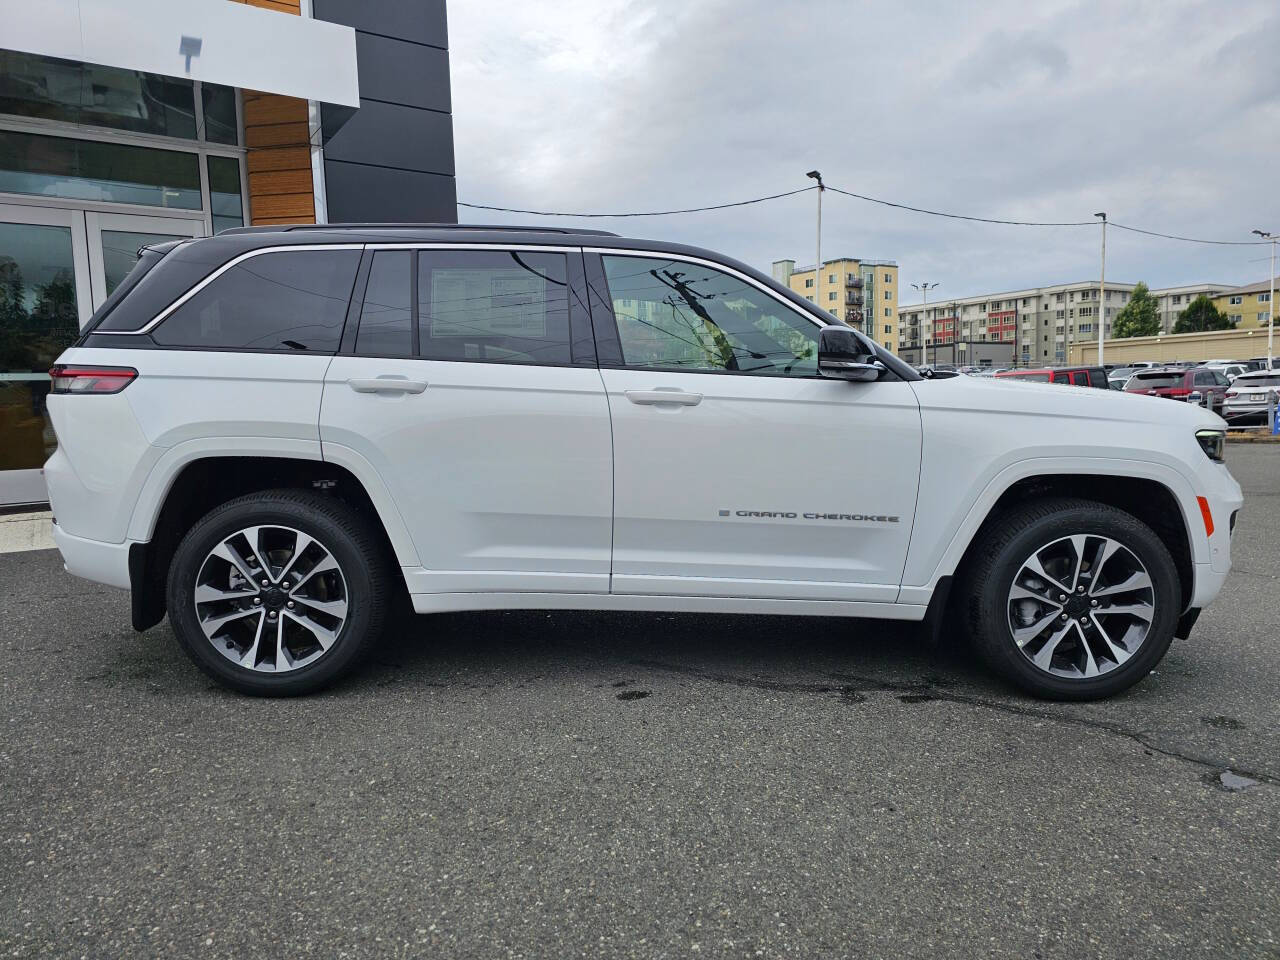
[(1154, 381)]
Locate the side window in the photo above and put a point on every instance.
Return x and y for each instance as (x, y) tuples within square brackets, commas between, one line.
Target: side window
[(1080, 378), (682, 316), (1204, 379), (386, 316), (500, 306), (1221, 379), (294, 301)]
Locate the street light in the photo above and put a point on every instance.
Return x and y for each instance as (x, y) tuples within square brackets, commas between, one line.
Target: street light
[(1102, 292), (817, 266), (1271, 294), (924, 292)]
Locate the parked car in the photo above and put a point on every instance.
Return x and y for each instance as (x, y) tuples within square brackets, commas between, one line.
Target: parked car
[(1260, 363), (274, 433), (1119, 376), (1177, 383), (1247, 398), (1071, 376), (1228, 368)]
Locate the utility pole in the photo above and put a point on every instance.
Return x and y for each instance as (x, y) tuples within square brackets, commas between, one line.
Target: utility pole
[(1102, 293), (924, 291), (1271, 295), (817, 266)]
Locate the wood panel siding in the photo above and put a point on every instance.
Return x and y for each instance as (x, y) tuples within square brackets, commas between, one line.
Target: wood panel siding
[(278, 150)]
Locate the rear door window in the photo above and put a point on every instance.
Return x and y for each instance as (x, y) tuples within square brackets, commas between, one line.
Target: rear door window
[(292, 300), (508, 306), (1080, 378), (386, 316)]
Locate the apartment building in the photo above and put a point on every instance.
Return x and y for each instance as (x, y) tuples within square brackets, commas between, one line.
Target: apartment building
[(862, 293), (1041, 322), (1247, 306)]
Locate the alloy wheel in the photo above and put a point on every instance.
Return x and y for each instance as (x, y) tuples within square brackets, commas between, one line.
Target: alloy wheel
[(1081, 606), (271, 598)]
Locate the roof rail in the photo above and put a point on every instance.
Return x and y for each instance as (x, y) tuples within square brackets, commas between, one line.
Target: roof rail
[(505, 227)]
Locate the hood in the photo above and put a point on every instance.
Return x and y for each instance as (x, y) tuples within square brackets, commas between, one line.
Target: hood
[(997, 395)]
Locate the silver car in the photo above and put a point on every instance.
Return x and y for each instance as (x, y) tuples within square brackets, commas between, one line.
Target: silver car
[(1246, 401)]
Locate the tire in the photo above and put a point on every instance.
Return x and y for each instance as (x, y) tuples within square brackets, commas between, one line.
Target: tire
[(1108, 637), (323, 606)]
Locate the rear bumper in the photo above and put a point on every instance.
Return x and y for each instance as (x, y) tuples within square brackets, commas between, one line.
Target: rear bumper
[(94, 560)]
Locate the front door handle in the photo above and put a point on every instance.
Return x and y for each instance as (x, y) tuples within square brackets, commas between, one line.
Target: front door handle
[(657, 397), (386, 385)]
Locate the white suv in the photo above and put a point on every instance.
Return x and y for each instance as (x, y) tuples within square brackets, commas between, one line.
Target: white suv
[(274, 433)]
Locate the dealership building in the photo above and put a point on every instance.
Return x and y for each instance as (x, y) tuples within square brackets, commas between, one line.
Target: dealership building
[(128, 122)]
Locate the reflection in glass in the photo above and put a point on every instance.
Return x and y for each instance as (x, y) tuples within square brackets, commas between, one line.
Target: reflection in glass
[(219, 104), (224, 193), (89, 93), (682, 316), (120, 252), (87, 170), (38, 319)]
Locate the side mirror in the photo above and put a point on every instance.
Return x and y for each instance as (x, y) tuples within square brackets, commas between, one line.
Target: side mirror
[(843, 356)]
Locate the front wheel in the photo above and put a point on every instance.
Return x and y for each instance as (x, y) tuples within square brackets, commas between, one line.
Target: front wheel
[(278, 593), (1071, 599)]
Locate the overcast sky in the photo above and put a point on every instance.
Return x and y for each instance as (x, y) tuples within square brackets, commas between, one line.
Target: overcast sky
[(1165, 114)]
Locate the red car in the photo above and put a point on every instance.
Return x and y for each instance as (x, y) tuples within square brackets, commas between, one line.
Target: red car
[(1070, 376), (1179, 383)]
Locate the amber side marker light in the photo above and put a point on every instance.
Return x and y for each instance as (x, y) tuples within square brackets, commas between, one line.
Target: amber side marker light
[(1207, 514)]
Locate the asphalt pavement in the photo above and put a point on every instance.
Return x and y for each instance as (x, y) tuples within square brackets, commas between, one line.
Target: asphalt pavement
[(564, 785)]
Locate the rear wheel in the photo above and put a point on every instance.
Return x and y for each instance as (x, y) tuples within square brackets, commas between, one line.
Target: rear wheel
[(1071, 599), (278, 593)]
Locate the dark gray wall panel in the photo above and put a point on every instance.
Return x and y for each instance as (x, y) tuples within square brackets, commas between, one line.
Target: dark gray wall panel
[(404, 73), (393, 136), (419, 21), (392, 159), (358, 193)]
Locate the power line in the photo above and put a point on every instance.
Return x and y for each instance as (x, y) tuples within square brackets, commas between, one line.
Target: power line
[(647, 213), (868, 199), (1170, 236), (961, 216)]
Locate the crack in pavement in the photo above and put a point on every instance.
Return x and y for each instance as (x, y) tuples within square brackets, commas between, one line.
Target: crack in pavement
[(1141, 737)]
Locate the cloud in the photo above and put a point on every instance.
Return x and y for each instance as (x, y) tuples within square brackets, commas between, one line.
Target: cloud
[(1161, 112)]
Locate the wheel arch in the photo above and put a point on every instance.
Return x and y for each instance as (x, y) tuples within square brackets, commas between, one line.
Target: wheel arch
[(198, 484), (1146, 498)]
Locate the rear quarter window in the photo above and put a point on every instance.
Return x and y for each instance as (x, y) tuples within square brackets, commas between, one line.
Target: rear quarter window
[(292, 300)]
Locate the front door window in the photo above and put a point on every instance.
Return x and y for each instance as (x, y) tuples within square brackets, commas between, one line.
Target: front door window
[(675, 315)]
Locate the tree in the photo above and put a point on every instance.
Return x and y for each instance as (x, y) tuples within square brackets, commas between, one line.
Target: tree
[(1140, 317), (1202, 315)]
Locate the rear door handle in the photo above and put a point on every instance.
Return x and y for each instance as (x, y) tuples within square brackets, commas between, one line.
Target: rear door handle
[(657, 397), (386, 385)]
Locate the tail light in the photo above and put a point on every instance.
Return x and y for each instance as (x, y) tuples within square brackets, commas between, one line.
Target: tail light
[(1233, 393), (79, 378), (1178, 392)]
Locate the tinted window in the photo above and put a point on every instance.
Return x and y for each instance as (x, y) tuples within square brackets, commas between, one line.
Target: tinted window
[(1204, 379), (1153, 381), (273, 301), (683, 316), (1265, 380), (502, 307), (386, 317), (1080, 378), (1220, 378)]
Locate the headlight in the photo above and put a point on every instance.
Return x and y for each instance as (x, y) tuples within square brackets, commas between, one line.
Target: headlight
[(1211, 442)]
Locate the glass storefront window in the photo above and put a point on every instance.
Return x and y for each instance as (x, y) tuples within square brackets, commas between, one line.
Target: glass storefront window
[(88, 170), (88, 93), (224, 193), (38, 319), (219, 105)]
